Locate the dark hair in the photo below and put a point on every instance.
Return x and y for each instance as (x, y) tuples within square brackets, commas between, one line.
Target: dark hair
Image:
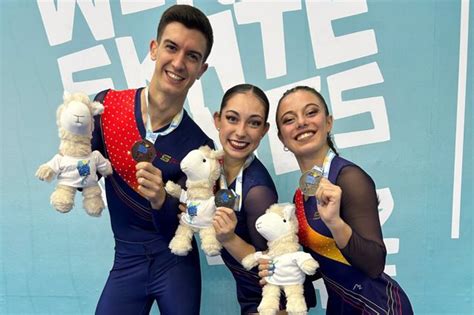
[(318, 95), (190, 17), (246, 88)]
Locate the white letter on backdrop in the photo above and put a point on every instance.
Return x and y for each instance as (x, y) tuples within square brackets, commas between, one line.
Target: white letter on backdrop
[(351, 79), (136, 73), (270, 16), (58, 23), (225, 58), (82, 60), (328, 49), (385, 210), (284, 162), (129, 7)]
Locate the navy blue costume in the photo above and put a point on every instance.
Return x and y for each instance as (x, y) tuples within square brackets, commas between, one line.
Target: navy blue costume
[(249, 291), (353, 288), (144, 269)]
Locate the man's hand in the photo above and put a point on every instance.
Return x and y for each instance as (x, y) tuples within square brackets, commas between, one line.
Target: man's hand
[(150, 184)]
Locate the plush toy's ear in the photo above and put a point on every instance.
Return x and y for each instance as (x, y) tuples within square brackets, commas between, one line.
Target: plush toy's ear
[(66, 95), (218, 154), (288, 210), (97, 108)]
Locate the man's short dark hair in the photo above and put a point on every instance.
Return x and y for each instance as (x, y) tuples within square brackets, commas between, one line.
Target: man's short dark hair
[(190, 17)]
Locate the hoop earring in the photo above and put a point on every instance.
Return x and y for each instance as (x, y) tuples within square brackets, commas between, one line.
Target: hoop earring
[(285, 148)]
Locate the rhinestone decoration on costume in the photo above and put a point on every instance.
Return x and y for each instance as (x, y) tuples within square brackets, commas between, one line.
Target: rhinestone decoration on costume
[(323, 245)]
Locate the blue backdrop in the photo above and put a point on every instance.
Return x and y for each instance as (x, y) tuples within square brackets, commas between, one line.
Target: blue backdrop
[(398, 77)]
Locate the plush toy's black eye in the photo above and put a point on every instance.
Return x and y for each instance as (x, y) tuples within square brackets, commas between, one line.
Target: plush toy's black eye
[(284, 220), (204, 160)]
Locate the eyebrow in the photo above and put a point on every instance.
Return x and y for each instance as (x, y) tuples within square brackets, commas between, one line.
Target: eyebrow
[(236, 113), (305, 106), (169, 41)]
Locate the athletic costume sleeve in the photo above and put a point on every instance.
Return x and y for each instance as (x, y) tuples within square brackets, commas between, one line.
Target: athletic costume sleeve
[(359, 209), (258, 200)]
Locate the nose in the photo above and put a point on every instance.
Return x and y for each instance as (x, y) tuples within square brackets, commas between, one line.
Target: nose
[(301, 121), (240, 130), (178, 61)]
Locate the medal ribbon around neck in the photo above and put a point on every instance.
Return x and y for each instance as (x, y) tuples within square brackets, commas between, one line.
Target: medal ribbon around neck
[(238, 180), (152, 136)]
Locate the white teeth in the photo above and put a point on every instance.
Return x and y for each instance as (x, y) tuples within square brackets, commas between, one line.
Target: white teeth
[(174, 76), (238, 144), (304, 135)]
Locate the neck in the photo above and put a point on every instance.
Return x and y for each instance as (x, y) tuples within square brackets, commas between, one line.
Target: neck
[(283, 245), (307, 162), (232, 168), (161, 108)]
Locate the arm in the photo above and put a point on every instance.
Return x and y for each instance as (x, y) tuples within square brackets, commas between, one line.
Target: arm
[(258, 199), (349, 209), (359, 209)]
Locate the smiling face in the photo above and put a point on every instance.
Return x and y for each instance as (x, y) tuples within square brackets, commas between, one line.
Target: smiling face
[(179, 59), (303, 124), (241, 124)]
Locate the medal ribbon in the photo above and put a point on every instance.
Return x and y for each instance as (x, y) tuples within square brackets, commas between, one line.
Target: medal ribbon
[(238, 180), (326, 164), (152, 136)]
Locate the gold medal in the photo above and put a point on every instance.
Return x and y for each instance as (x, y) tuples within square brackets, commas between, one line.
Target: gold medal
[(143, 151), (309, 182)]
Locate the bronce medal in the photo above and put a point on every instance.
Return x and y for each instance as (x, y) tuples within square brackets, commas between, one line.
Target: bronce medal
[(225, 198), (143, 151), (309, 182)]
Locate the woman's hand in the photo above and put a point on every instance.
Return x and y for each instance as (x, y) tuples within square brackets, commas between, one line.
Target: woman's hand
[(265, 269), (224, 223), (328, 196), (150, 184)]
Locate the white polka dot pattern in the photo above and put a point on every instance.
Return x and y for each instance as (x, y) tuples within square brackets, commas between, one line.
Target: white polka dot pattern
[(120, 131)]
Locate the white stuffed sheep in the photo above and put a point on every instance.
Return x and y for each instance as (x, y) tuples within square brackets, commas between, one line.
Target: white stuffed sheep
[(202, 169), (279, 227), (76, 166)]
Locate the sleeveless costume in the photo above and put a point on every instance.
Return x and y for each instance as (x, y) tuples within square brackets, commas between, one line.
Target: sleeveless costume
[(350, 291), (144, 268)]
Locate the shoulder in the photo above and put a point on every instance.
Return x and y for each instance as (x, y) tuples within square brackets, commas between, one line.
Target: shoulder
[(349, 172), (116, 95), (256, 174), (190, 131)]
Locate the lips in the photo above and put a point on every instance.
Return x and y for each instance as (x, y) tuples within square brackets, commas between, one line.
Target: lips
[(238, 145)]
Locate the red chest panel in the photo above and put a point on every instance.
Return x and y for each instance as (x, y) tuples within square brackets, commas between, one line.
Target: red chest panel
[(120, 131)]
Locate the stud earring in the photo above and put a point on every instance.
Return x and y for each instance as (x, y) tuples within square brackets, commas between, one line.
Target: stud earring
[(285, 148)]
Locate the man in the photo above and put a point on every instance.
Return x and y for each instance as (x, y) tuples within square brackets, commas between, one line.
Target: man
[(143, 217)]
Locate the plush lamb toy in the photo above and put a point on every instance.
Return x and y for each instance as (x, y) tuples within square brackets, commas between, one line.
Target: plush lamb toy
[(75, 166), (279, 226), (202, 169)]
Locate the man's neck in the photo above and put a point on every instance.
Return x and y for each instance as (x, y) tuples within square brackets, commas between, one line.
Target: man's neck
[(161, 108)]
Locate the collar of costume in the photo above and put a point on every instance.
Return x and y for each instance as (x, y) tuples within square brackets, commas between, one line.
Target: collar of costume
[(152, 136), (238, 180)]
